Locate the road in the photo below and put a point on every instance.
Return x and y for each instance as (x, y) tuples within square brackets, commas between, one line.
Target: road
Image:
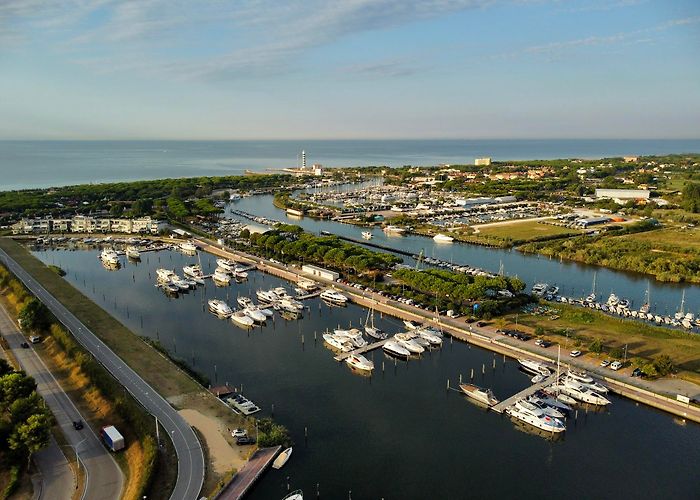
[(190, 457), (104, 479)]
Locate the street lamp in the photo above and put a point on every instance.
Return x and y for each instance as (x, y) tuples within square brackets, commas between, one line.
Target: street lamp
[(77, 457)]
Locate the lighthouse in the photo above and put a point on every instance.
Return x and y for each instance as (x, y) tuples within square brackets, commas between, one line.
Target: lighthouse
[(303, 160)]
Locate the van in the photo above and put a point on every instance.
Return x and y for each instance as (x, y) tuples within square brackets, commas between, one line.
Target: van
[(35, 339)]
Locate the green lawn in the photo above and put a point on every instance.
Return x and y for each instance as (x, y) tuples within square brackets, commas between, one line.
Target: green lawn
[(678, 237), (525, 230)]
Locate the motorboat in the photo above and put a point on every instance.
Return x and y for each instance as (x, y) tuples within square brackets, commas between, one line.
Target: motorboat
[(253, 313), (242, 319), (366, 235), (132, 252), (359, 362), (296, 494), (165, 275), (443, 238), (291, 304), (109, 256), (552, 402), (539, 289), (475, 392), (219, 307), (342, 344), (353, 335), (430, 337), (193, 271), (188, 246), (594, 386), (536, 418), (394, 229), (240, 274), (333, 296), (221, 278), (282, 458), (291, 315), (267, 312), (538, 378), (581, 393), (411, 325), (579, 376), (307, 285), (535, 367), (266, 296), (534, 404), (180, 283), (613, 300), (226, 264), (394, 348), (409, 344), (244, 301)]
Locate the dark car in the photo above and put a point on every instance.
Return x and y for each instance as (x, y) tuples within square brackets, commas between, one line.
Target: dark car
[(637, 373), (24, 345), (242, 440), (78, 424), (480, 323)]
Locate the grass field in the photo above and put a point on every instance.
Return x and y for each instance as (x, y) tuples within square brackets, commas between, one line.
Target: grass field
[(523, 231), (678, 237), (643, 341)]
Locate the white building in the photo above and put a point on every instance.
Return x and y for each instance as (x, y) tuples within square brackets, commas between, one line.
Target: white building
[(484, 162), (87, 224), (622, 194), (319, 272)]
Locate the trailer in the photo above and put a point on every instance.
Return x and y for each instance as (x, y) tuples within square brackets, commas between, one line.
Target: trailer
[(112, 438)]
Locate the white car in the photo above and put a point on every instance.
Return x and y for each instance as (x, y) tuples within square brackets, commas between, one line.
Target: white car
[(239, 433), (604, 363), (575, 354), (615, 365)]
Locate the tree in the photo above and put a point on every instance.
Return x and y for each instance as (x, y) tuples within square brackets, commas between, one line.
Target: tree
[(14, 386), (34, 315), (663, 364), (5, 367), (596, 346), (31, 436)]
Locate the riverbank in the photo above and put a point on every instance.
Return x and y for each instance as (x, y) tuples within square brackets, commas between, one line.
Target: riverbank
[(170, 381), (485, 337)]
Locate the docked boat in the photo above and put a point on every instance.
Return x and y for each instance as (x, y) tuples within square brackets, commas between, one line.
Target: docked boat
[(353, 335), (394, 230), (333, 296), (359, 362), (432, 339), (342, 344), (581, 393), (244, 301), (408, 344), (366, 235), (132, 252), (267, 312), (551, 402), (266, 296), (371, 329), (395, 349), (534, 367), (282, 458), (291, 304), (109, 256), (295, 495), (226, 264), (539, 289), (169, 287), (240, 273), (253, 313), (188, 247), (613, 300), (443, 238), (242, 319), (165, 275), (411, 325), (536, 418), (533, 404), (219, 307), (221, 278), (579, 376), (593, 386), (180, 283), (475, 392), (193, 271), (307, 286)]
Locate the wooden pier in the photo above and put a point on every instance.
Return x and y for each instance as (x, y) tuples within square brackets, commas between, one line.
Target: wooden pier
[(253, 469), (528, 391), (309, 295), (361, 350)]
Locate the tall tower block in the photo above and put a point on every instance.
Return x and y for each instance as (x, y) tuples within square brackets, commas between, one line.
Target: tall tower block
[(303, 160)]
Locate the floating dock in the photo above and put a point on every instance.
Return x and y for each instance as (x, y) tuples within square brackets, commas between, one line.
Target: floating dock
[(361, 350), (309, 295), (528, 391)]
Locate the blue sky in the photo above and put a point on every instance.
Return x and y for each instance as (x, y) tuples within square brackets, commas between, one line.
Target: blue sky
[(217, 69)]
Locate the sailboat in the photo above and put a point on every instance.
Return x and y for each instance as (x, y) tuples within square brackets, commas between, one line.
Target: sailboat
[(372, 330), (647, 302), (681, 312), (591, 298)]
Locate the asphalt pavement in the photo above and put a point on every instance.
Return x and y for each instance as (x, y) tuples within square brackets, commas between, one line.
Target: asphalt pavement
[(104, 479), (190, 457)]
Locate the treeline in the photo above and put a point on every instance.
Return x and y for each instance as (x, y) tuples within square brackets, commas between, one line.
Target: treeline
[(458, 291), (114, 402), (134, 198), (290, 243), (25, 423)]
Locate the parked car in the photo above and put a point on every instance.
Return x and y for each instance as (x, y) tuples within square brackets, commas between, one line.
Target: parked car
[(480, 323), (245, 440), (604, 363), (615, 365), (35, 339), (542, 343), (78, 424), (575, 354), (239, 433), (24, 345), (637, 373)]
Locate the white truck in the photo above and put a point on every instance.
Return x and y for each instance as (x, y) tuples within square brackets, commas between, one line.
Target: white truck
[(112, 438)]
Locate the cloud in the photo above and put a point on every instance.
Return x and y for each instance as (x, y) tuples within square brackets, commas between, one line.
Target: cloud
[(381, 70)]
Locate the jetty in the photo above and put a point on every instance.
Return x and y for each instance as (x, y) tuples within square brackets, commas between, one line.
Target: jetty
[(362, 350), (253, 469), (528, 391), (310, 295)]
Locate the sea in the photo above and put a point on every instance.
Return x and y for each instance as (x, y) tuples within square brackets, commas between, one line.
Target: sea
[(41, 164)]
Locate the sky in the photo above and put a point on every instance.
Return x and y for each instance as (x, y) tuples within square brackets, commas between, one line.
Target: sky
[(355, 69)]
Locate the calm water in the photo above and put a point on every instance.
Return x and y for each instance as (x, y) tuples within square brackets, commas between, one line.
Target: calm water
[(31, 164), (399, 434), (573, 279)]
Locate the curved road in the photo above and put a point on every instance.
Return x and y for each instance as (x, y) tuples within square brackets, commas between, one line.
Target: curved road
[(104, 479), (190, 457)]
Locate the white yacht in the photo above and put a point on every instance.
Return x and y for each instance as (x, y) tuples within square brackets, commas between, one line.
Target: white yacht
[(221, 278), (580, 376), (430, 337), (366, 235), (536, 418), (394, 230), (408, 344), (394, 348), (411, 325), (592, 385), (333, 296), (307, 285), (540, 289), (219, 307), (282, 459), (267, 312), (443, 238), (536, 367), (538, 405), (165, 275), (188, 246), (109, 256), (132, 252), (484, 396), (266, 296), (578, 391), (254, 314), (179, 282), (193, 271), (225, 264), (359, 362), (244, 301), (281, 293), (290, 304), (240, 273), (613, 300), (339, 343), (242, 319), (353, 335), (296, 494)]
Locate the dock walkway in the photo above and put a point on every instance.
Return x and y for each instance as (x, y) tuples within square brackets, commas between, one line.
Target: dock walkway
[(309, 295), (361, 350), (251, 471), (528, 391)]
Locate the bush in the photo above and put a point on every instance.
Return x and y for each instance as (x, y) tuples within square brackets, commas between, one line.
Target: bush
[(596, 346), (272, 434), (616, 353)]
